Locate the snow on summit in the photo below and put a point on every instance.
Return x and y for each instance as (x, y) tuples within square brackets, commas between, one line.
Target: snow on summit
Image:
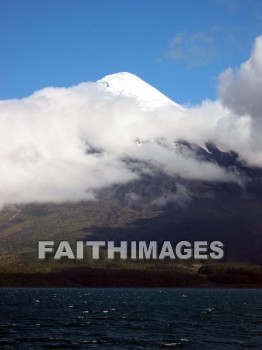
[(130, 85)]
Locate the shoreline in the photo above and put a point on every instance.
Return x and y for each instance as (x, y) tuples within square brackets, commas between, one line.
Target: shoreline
[(119, 278)]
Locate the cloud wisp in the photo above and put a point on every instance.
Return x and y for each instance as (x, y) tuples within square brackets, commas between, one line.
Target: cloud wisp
[(194, 50)]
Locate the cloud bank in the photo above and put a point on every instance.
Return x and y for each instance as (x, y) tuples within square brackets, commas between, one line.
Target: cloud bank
[(64, 144)]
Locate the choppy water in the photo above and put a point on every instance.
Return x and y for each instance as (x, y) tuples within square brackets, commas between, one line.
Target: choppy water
[(130, 319)]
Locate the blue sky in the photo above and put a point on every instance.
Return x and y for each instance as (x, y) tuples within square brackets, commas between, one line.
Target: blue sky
[(179, 47)]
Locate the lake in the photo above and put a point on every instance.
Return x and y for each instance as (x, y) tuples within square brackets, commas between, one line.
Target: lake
[(88, 318)]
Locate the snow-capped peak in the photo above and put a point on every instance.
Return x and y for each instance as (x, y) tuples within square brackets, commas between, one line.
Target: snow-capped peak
[(130, 85)]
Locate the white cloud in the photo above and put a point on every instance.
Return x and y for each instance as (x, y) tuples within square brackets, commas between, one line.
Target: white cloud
[(241, 91)]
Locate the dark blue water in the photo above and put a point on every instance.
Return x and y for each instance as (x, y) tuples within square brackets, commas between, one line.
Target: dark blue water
[(130, 319)]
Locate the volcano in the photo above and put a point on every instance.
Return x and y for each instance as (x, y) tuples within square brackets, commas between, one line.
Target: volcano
[(144, 186)]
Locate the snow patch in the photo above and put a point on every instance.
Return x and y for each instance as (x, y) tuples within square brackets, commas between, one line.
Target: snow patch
[(129, 85)]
